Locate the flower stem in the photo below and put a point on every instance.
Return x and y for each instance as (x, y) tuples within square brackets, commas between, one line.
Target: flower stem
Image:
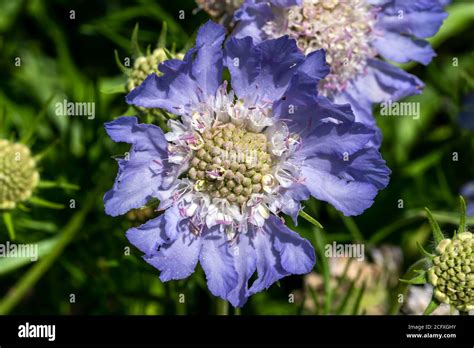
[(34, 274), (222, 307)]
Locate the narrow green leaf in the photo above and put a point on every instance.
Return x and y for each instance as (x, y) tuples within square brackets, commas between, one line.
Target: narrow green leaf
[(352, 227), (417, 280), (45, 226), (438, 236), (402, 287), (163, 34), (423, 251), (310, 219), (7, 219), (135, 46), (117, 89), (344, 272), (299, 309), (168, 53), (39, 156), (33, 127), (320, 242), (314, 299), (33, 274), (462, 219), (40, 202), (120, 65), (358, 301), (46, 184), (9, 264), (431, 307), (347, 296)]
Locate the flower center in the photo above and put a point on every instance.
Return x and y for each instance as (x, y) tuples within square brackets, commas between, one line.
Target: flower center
[(18, 174), (230, 162), (343, 28)]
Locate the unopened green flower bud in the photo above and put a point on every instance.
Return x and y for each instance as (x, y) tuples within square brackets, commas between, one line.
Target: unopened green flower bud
[(18, 174), (451, 273), (144, 66)]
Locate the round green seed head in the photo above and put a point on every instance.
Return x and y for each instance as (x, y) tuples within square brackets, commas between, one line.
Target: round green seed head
[(451, 273), (144, 66), (18, 174)]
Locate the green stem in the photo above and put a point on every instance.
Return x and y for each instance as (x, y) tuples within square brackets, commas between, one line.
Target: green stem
[(402, 288), (319, 242), (7, 219), (353, 228), (16, 293), (222, 307)]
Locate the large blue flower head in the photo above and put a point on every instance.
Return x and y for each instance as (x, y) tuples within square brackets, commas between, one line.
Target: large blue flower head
[(354, 33), (240, 155)]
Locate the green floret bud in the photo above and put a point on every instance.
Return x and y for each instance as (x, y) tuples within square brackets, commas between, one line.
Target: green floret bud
[(144, 66), (18, 174), (451, 274)]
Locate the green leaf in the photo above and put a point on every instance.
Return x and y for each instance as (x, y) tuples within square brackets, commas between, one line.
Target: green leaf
[(314, 298), (423, 251), (320, 242), (462, 219), (45, 226), (431, 307), (418, 166), (33, 127), (39, 156), (168, 53), (34, 274), (310, 219), (136, 51), (9, 264), (347, 296), (417, 280), (7, 219), (359, 297), (40, 202), (163, 34), (352, 227), (122, 68), (46, 184), (438, 236)]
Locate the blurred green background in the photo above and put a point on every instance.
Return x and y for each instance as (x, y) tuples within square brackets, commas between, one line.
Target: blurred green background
[(84, 265)]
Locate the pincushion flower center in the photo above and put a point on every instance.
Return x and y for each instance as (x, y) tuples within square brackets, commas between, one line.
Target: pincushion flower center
[(231, 162), (343, 28)]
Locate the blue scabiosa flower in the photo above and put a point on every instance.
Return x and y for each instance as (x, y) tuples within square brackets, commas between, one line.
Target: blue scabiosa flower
[(239, 157), (354, 34)]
